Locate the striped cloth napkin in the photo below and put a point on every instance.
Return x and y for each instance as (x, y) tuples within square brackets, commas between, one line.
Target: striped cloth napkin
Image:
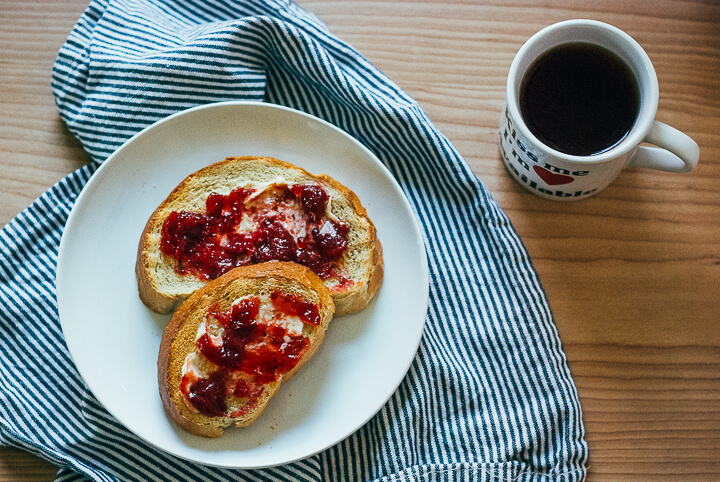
[(489, 395)]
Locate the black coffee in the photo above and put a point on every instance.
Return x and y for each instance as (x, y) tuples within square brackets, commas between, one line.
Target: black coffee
[(579, 98)]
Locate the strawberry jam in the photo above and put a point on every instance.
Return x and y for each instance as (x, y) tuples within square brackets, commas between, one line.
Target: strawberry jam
[(208, 394), (262, 348), (247, 389), (245, 227), (294, 306), (313, 198)]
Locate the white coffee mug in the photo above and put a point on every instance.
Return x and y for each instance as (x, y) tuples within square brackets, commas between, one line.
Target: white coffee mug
[(555, 175)]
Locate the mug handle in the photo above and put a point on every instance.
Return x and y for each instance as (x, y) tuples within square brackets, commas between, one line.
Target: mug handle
[(676, 151)]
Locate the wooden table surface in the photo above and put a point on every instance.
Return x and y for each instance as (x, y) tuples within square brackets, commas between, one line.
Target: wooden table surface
[(632, 275)]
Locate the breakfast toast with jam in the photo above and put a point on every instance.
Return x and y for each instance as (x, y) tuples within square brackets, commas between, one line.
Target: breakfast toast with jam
[(235, 340), (248, 210)]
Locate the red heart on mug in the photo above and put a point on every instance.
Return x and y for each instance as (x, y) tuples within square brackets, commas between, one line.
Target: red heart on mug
[(552, 178)]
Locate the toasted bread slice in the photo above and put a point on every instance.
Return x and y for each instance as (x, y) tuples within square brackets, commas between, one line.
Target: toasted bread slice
[(163, 281), (204, 397)]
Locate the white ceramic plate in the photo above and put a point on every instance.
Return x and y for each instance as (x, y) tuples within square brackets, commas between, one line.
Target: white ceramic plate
[(113, 338)]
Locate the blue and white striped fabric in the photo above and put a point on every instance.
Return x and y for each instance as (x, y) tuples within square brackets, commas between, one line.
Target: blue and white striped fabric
[(489, 395)]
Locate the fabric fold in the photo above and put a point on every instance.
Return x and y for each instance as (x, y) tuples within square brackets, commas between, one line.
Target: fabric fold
[(489, 395)]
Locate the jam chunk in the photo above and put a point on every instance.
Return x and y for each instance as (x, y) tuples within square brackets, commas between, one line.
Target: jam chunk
[(208, 395), (313, 198), (294, 306)]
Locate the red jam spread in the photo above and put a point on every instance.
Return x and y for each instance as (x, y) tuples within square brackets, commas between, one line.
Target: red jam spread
[(259, 348), (208, 394), (288, 224), (293, 306)]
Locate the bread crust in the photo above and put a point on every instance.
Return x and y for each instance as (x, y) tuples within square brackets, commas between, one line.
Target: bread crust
[(152, 266), (178, 339)]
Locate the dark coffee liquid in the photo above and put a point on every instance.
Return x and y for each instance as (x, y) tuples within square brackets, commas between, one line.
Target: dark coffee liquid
[(579, 98)]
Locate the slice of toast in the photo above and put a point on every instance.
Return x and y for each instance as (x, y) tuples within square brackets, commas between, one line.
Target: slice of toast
[(244, 187), (231, 344)]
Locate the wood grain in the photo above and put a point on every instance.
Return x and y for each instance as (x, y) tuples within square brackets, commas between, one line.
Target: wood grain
[(37, 149), (632, 275)]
